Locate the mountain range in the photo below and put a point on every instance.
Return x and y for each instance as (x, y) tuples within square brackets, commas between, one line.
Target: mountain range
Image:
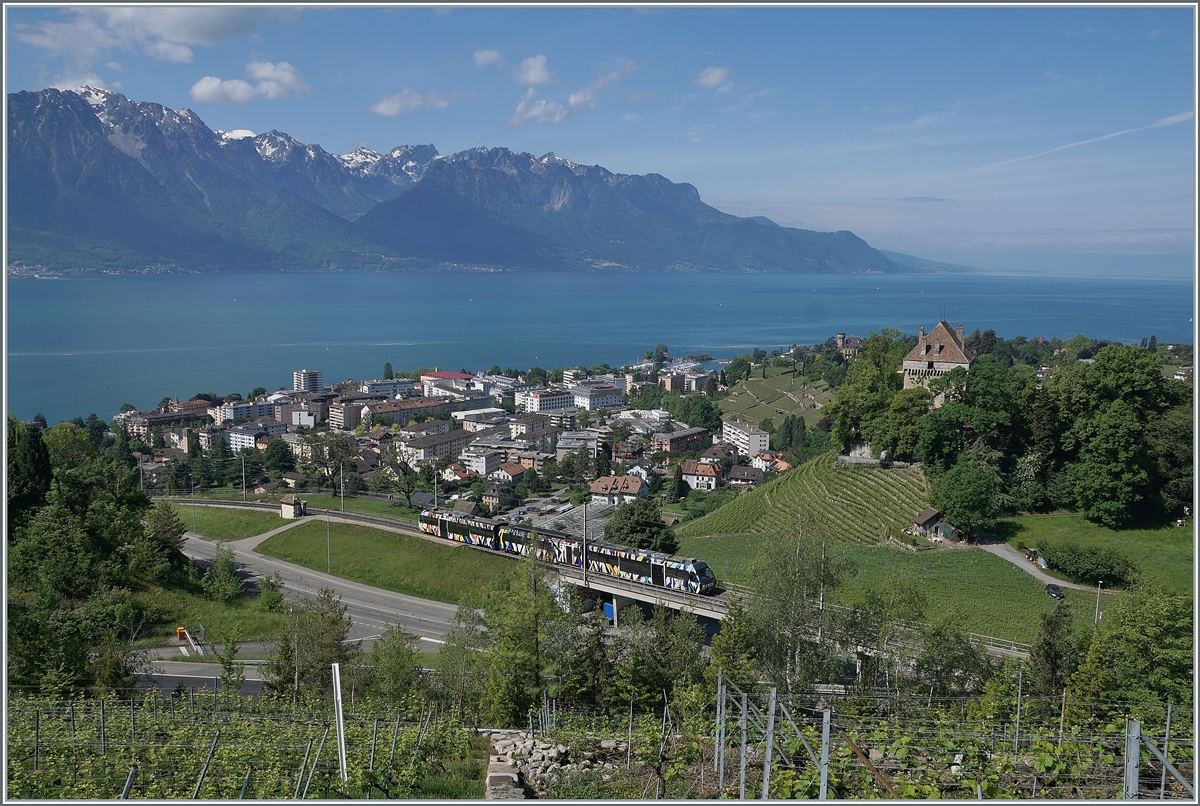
[(96, 180)]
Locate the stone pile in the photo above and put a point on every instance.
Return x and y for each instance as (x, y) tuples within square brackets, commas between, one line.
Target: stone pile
[(542, 764)]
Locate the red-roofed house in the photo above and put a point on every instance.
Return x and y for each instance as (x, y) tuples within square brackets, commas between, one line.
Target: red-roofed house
[(618, 489)]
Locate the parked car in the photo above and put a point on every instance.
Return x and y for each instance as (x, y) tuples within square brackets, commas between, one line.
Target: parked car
[(1055, 591)]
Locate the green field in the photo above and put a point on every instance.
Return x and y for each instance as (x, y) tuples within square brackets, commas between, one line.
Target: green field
[(219, 523), (361, 506), (756, 398), (180, 608), (853, 508), (397, 562), (853, 505), (1165, 555)]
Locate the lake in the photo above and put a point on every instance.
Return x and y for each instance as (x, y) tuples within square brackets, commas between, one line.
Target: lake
[(89, 344)]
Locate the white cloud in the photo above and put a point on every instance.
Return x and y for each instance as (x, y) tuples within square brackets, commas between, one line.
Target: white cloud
[(73, 81), (711, 77), (531, 107), (114, 66), (165, 33), (407, 100), (641, 97), (272, 82), (486, 58), (532, 71)]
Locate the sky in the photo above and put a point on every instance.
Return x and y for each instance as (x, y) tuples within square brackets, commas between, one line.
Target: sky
[(968, 135)]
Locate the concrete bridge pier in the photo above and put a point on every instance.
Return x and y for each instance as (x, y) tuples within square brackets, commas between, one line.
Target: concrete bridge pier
[(619, 602)]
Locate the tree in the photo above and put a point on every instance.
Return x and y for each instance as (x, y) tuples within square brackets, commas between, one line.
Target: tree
[(733, 651), (1113, 471), (1141, 651), (949, 665), (637, 524), (387, 371), (603, 462), (583, 419), (660, 352), (220, 581), (1153, 345), (256, 391), (278, 459), (968, 494), (518, 612), (394, 658), (233, 674), (1052, 659), (328, 450), (29, 472), (165, 530), (710, 385), (878, 620), (313, 638), (679, 488), (794, 572)]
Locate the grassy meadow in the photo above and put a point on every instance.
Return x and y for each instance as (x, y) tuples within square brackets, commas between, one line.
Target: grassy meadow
[(756, 397), (223, 524), (389, 560), (1165, 554)]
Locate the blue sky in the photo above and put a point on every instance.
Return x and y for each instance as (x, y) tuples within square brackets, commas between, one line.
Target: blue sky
[(959, 134)]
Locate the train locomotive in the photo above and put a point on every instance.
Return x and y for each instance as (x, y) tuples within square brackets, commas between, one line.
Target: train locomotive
[(654, 568)]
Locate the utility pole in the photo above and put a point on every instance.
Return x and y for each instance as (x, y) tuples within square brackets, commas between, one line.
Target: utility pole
[(328, 546), (585, 557), (343, 484), (193, 484), (243, 475)]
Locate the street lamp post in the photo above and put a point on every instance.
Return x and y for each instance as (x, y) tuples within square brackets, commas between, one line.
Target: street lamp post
[(328, 546), (243, 475), (1099, 582), (193, 484)]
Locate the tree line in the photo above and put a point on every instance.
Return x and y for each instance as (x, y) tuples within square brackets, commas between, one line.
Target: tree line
[(1110, 437)]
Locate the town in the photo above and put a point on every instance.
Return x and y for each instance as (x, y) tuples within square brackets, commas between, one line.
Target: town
[(941, 522)]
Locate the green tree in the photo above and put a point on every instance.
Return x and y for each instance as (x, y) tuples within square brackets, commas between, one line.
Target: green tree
[(314, 637), (519, 611), (387, 371), (878, 621), (220, 581), (1142, 650), (256, 391), (679, 488), (29, 472), (603, 462), (1113, 472), (394, 658), (165, 531), (638, 524), (733, 651), (969, 494), (583, 419), (794, 573), (233, 673), (949, 665), (1053, 659), (277, 458)]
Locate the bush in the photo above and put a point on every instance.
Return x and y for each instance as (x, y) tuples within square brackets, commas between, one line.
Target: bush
[(1089, 565)]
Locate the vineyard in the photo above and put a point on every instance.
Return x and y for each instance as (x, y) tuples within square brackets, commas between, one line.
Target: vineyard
[(878, 744), (756, 398), (207, 746), (857, 505)]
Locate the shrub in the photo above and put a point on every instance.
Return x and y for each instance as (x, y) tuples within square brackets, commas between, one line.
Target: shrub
[(1088, 565)]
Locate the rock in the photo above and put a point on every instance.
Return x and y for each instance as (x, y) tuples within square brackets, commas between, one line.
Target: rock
[(608, 766), (608, 744), (875, 756), (562, 749), (605, 777)]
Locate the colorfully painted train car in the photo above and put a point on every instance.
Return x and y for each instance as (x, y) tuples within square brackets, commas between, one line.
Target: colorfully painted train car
[(634, 565)]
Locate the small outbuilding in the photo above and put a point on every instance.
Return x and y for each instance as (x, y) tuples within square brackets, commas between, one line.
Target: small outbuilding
[(290, 506), (926, 520)]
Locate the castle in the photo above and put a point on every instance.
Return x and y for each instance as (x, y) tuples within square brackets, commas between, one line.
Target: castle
[(935, 355)]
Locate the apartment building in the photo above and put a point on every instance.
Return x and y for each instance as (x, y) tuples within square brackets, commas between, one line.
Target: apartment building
[(306, 380), (747, 439)]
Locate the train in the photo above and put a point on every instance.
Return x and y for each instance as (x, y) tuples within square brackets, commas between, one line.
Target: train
[(654, 568)]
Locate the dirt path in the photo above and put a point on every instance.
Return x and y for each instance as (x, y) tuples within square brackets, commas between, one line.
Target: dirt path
[(1007, 552)]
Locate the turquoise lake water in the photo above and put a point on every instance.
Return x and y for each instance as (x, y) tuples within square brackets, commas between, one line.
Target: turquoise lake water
[(83, 345)]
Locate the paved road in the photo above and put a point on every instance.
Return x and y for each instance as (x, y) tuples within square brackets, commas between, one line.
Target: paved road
[(370, 609), (1007, 552)]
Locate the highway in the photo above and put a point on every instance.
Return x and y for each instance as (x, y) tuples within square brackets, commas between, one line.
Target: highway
[(370, 609)]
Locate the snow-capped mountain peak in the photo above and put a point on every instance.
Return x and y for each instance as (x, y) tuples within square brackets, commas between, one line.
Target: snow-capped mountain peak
[(233, 134), (96, 96)]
